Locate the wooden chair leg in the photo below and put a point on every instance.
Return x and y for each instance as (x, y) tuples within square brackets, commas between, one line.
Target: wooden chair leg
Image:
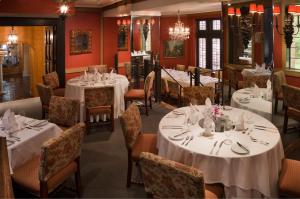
[(43, 189), (129, 170), (285, 121), (276, 105), (78, 178)]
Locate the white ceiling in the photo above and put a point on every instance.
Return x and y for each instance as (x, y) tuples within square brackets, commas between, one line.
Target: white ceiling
[(95, 3)]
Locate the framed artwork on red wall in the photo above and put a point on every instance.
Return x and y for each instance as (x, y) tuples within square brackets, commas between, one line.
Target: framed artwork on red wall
[(80, 42), (173, 49), (123, 38)]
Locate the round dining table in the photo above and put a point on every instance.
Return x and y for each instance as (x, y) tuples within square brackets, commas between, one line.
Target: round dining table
[(248, 170), (75, 89), (246, 99)]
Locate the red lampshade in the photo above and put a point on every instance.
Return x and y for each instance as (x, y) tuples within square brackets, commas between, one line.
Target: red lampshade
[(238, 12), (119, 22), (276, 10), (152, 21), (128, 22), (253, 8), (260, 9), (138, 22), (292, 9), (124, 22), (231, 11), (297, 10)]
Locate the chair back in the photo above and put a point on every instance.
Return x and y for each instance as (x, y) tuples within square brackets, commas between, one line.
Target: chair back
[(173, 88), (100, 68), (259, 80), (6, 190), (128, 70), (198, 94), (278, 80), (168, 179), (131, 125), (51, 79), (99, 96), (205, 71), (191, 69), (291, 96), (45, 93), (232, 76), (180, 67), (149, 83), (58, 152), (64, 111)]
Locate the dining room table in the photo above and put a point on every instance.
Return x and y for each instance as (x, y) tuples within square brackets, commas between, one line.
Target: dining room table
[(75, 89), (246, 161), (24, 143), (257, 101)]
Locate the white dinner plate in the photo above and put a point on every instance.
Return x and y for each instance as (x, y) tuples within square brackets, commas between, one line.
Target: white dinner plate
[(178, 138), (177, 112), (239, 150)]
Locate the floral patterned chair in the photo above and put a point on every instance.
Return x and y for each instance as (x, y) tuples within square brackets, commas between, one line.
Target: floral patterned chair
[(168, 179), (59, 159), (259, 80), (291, 98), (197, 94), (136, 141), (180, 67), (45, 93), (64, 111), (51, 79), (278, 80), (142, 94), (99, 101)]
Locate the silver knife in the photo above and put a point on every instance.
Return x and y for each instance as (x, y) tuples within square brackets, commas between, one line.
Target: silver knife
[(191, 138), (181, 133), (219, 147), (240, 145), (215, 144)]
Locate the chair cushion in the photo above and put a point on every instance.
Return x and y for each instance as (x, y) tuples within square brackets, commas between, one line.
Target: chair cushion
[(135, 94), (289, 181), (214, 191), (59, 92), (294, 113), (146, 142), (27, 175)]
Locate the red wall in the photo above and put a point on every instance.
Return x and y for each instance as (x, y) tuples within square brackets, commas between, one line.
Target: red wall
[(29, 7), (83, 21)]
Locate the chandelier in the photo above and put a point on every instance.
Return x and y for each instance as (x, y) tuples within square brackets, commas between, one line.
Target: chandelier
[(64, 7), (179, 32), (12, 36)]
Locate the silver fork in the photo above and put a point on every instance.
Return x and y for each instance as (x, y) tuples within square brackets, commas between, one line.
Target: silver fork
[(259, 141), (191, 138), (186, 139), (212, 150), (217, 153)]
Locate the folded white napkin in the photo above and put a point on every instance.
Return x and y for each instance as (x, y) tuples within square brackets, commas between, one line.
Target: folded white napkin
[(240, 123), (269, 90), (256, 91), (208, 102), (9, 121)]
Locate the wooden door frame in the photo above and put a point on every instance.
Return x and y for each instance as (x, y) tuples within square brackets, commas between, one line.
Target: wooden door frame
[(59, 22)]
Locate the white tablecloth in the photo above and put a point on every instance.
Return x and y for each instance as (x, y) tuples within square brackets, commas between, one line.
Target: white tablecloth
[(184, 79), (30, 143), (242, 175), (75, 89), (256, 104), (254, 72)]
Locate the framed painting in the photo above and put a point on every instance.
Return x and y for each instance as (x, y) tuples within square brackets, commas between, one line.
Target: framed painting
[(122, 38), (80, 42), (173, 49)]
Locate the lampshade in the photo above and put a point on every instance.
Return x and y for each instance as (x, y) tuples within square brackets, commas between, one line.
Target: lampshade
[(231, 11), (292, 9), (238, 12), (128, 22), (152, 21), (138, 22), (276, 10), (260, 9), (253, 8), (124, 22), (297, 10), (118, 22)]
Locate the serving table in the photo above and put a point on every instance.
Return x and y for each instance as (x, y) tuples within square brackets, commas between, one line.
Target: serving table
[(75, 89), (24, 144), (243, 175), (245, 99)]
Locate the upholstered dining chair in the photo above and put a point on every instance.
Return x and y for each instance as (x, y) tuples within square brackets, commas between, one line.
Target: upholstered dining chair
[(191, 69), (51, 79), (165, 178), (59, 159), (278, 80), (259, 80), (99, 68), (197, 94), (64, 111), (99, 101), (45, 93), (136, 141), (233, 79), (180, 67), (291, 98), (142, 94)]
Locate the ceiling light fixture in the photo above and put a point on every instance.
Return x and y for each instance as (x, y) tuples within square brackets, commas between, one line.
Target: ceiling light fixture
[(179, 31), (12, 36), (64, 7)]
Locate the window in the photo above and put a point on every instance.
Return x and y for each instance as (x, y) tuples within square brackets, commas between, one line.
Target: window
[(293, 54), (209, 44)]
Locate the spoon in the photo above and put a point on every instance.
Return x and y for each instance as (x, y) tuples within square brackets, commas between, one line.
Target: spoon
[(259, 141), (186, 139)]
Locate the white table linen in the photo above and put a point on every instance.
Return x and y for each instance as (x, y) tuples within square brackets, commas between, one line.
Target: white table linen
[(75, 89), (242, 175), (254, 72), (29, 145), (256, 104)]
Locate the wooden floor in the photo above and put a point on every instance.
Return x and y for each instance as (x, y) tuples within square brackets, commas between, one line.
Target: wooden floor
[(15, 87)]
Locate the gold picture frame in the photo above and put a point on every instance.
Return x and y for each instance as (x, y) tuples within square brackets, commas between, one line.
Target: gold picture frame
[(80, 42)]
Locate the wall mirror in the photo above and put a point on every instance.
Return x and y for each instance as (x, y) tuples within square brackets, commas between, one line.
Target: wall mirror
[(11, 54)]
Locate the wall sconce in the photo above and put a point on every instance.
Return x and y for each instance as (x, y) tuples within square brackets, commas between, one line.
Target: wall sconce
[(123, 22), (12, 36), (64, 7)]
